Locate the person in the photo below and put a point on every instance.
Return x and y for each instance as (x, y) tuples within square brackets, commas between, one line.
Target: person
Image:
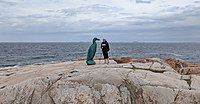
[(105, 48)]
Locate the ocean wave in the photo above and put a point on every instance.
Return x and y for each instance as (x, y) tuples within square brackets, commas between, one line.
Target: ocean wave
[(165, 54), (44, 57), (8, 65)]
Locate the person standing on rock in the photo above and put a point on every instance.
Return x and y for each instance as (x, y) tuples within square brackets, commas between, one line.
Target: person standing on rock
[(105, 48)]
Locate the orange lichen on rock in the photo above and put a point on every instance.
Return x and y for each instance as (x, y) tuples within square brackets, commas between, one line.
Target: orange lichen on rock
[(176, 64), (122, 60), (183, 67), (131, 60)]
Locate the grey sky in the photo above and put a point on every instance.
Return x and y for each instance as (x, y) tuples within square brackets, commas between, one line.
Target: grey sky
[(115, 20)]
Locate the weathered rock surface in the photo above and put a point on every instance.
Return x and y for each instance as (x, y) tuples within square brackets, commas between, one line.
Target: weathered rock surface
[(152, 82), (183, 67), (122, 60)]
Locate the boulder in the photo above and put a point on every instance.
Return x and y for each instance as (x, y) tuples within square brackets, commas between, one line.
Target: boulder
[(176, 64), (183, 67)]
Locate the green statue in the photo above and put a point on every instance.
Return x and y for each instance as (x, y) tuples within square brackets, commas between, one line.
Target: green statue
[(91, 52)]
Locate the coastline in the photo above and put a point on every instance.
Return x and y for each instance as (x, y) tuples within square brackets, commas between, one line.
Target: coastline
[(142, 81)]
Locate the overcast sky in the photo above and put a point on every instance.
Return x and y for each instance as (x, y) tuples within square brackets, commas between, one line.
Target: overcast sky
[(115, 20)]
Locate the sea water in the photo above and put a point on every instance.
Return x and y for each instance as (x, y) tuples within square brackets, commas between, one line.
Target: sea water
[(20, 54)]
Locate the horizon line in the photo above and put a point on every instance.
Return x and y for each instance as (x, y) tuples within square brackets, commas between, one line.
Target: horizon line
[(99, 41)]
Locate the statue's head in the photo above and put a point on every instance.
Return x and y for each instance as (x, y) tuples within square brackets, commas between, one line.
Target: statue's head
[(95, 39)]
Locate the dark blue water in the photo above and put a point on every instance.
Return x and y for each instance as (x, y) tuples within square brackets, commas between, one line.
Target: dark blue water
[(20, 54)]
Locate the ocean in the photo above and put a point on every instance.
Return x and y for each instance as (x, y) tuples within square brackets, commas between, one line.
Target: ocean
[(20, 54)]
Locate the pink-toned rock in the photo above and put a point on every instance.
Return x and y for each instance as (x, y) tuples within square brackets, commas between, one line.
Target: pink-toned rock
[(122, 60), (176, 64), (131, 60), (184, 68), (77, 83)]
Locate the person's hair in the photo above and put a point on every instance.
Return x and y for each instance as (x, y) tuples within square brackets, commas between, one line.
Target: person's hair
[(104, 40)]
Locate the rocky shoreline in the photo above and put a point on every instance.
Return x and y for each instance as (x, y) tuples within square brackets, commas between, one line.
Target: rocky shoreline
[(123, 81)]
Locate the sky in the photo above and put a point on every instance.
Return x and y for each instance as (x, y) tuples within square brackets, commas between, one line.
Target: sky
[(115, 20)]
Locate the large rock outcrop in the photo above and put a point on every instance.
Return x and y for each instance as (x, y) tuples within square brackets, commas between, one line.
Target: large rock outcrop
[(76, 83)]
